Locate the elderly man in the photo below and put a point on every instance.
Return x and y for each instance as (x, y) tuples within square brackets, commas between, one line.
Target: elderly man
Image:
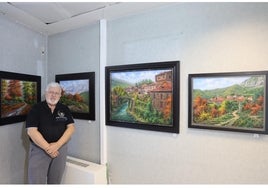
[(50, 126)]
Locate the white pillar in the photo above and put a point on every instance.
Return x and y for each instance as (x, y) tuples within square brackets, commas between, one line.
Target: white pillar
[(103, 62)]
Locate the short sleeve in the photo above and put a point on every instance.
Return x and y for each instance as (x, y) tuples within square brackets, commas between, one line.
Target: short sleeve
[(33, 118), (69, 116)]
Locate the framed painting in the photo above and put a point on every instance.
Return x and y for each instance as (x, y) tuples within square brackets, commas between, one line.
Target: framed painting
[(78, 93), (19, 92), (233, 101), (143, 96)]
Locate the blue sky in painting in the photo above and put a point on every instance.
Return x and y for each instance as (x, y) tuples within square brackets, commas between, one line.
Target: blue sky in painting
[(75, 86), (136, 76), (214, 83)]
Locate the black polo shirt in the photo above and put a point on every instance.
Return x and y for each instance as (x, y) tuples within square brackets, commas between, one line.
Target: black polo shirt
[(50, 125)]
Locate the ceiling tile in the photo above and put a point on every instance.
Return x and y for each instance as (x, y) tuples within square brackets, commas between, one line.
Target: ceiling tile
[(49, 12), (54, 17)]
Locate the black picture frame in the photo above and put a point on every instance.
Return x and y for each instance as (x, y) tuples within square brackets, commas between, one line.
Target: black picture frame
[(19, 92), (150, 92), (78, 93), (233, 101)]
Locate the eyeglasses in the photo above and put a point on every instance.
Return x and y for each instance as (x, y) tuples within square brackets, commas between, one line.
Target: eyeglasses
[(53, 93)]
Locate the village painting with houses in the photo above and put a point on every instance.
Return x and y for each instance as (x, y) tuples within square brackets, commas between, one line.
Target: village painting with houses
[(230, 102), (142, 97)]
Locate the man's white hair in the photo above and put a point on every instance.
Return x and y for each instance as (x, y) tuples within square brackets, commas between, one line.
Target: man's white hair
[(53, 84)]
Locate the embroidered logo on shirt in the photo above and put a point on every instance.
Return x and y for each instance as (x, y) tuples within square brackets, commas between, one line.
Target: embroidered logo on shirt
[(61, 116)]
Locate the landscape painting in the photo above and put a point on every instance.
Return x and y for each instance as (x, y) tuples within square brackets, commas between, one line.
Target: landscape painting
[(228, 101), (75, 95), (142, 96), (78, 91), (19, 92)]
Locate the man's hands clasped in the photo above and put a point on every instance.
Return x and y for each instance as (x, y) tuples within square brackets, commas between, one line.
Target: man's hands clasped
[(52, 150)]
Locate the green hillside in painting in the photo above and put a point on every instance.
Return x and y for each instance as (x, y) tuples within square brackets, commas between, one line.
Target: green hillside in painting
[(121, 83), (240, 105)]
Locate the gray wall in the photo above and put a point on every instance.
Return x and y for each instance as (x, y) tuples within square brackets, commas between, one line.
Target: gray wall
[(20, 52), (73, 52), (205, 37)]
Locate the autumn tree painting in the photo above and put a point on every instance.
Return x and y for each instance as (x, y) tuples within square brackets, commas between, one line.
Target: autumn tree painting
[(17, 97), (229, 102)]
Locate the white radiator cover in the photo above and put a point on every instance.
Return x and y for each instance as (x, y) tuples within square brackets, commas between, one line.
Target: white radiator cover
[(78, 171)]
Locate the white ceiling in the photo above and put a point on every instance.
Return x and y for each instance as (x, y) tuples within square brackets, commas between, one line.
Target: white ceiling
[(54, 17)]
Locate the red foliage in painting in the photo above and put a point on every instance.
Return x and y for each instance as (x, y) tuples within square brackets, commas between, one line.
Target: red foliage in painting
[(77, 97), (214, 112), (167, 110), (260, 100), (255, 109), (14, 88), (199, 105)]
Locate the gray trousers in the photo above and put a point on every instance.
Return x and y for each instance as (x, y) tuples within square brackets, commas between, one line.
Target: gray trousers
[(42, 169)]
